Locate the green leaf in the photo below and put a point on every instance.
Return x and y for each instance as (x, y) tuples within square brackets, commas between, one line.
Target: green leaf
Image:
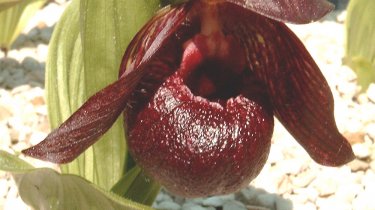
[(84, 56), (364, 69), (47, 189), (106, 29), (360, 40), (12, 163), (136, 186), (65, 89), (14, 19)]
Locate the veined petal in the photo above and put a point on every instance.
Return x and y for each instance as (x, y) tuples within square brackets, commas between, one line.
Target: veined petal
[(299, 93), (101, 110), (87, 124), (293, 11)]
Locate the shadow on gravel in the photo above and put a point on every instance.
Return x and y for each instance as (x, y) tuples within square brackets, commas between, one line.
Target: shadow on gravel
[(37, 35), (253, 199), (28, 72)]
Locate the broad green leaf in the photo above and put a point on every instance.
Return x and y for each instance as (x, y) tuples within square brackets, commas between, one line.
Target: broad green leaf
[(360, 40), (14, 19), (64, 72), (136, 186), (12, 163), (46, 189), (5, 4), (84, 56)]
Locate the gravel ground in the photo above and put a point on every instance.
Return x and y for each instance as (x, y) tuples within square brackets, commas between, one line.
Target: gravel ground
[(290, 179)]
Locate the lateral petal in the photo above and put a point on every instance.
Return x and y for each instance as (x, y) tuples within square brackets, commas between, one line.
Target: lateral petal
[(299, 93), (293, 11), (86, 125), (101, 110)]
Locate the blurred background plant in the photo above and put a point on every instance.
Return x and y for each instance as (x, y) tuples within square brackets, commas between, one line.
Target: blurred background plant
[(360, 41), (14, 15)]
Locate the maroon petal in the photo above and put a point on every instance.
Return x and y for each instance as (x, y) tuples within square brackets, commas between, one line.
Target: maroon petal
[(86, 125), (294, 11), (98, 114), (300, 94)]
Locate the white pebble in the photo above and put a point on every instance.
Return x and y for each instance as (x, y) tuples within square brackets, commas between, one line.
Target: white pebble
[(267, 200), (234, 205), (217, 200), (362, 151), (283, 204), (168, 205), (192, 206)]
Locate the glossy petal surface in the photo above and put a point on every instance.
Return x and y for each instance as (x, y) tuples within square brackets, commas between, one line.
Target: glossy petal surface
[(300, 94), (197, 148), (293, 11)]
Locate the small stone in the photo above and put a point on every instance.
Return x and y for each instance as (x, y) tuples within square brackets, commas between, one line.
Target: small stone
[(36, 76), (252, 207), (303, 179), (361, 151), (45, 34), (18, 74), (282, 204), (168, 205), (267, 200), (192, 206), (326, 187), (33, 34), (250, 193), (196, 200), (217, 200), (358, 165), (31, 64), (4, 75), (234, 205), (9, 63)]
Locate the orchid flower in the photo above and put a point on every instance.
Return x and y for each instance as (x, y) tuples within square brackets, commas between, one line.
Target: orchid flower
[(200, 85)]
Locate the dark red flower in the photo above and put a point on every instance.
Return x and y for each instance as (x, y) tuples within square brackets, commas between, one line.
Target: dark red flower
[(199, 86)]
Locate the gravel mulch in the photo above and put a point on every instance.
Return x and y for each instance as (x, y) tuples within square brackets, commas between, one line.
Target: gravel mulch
[(290, 179)]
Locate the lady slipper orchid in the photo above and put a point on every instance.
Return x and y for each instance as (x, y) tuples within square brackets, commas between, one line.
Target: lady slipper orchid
[(199, 86)]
